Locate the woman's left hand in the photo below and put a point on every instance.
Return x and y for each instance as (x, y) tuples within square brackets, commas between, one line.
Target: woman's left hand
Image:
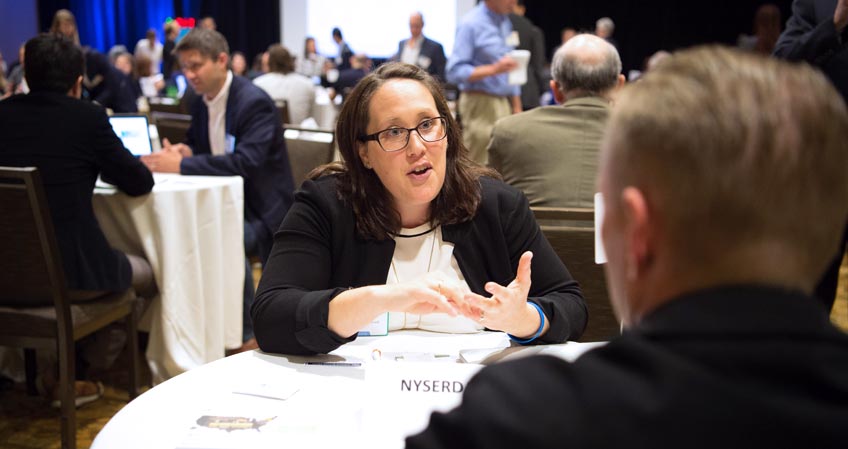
[(507, 309)]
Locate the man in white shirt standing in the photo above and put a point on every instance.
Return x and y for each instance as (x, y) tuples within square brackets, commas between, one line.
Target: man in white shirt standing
[(151, 48)]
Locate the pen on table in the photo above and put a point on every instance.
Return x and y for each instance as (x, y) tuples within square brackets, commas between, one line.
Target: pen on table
[(334, 363)]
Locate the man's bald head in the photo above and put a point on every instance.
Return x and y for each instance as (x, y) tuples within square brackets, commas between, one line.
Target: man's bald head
[(416, 24), (586, 65)]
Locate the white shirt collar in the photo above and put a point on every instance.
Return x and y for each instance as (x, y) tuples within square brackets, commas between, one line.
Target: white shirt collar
[(223, 94)]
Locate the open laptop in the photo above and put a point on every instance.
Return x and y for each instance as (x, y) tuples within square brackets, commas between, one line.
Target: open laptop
[(134, 132)]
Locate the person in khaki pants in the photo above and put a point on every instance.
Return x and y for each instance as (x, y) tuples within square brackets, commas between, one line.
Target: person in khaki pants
[(479, 66)]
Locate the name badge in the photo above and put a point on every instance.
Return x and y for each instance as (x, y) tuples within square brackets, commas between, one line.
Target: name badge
[(378, 327), (229, 143), (424, 62), (512, 40)]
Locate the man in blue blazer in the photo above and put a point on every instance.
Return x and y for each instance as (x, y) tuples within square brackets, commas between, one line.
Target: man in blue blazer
[(816, 33), (235, 130), (420, 50)]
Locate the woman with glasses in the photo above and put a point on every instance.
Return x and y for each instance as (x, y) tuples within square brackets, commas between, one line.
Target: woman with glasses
[(408, 232)]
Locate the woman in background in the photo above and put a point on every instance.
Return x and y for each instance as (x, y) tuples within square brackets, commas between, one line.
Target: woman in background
[(311, 64)]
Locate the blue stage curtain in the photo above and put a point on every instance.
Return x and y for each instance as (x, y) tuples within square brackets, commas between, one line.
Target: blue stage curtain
[(188, 8), (105, 23)]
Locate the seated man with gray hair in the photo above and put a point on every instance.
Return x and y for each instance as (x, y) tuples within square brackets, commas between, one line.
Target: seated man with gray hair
[(551, 153), (723, 178)]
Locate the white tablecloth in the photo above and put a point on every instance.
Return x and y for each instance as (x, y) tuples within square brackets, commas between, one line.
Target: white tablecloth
[(190, 229), (325, 111), (315, 406)]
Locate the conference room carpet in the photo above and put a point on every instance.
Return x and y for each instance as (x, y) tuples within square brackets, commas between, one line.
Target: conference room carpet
[(28, 422)]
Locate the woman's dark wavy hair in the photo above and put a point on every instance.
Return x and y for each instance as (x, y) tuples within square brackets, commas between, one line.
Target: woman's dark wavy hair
[(376, 218)]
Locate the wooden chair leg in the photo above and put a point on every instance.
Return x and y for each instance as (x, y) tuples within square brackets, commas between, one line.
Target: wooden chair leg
[(67, 393), (31, 370), (132, 342)]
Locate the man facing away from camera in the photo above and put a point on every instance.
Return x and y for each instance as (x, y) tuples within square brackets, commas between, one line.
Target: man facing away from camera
[(723, 179)]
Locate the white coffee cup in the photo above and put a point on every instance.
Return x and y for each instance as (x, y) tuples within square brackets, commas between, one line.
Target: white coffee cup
[(518, 75)]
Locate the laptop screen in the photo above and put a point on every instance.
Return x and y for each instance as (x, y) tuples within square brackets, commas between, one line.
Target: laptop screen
[(133, 132)]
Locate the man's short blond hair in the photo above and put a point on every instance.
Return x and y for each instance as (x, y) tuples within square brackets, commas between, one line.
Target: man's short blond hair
[(736, 149)]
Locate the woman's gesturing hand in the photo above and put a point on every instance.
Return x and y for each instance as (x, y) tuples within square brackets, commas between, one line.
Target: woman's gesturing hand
[(507, 309)]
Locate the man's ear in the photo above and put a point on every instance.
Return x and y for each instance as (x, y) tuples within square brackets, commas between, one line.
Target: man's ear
[(559, 97), (223, 58), (639, 232), (76, 89)]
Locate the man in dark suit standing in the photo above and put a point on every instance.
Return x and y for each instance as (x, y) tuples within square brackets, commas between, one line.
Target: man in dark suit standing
[(712, 259), (235, 131), (530, 38), (816, 33), (420, 50), (345, 53)]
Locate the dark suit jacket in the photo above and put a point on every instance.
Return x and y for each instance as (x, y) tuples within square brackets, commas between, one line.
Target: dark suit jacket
[(811, 36), (739, 367), (168, 59), (115, 91), (530, 38), (433, 51), (259, 156), (318, 255), (343, 59), (71, 142), (348, 78)]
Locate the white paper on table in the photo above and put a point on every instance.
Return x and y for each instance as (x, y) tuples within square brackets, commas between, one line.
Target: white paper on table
[(269, 390), (401, 397), (600, 255), (378, 326), (267, 381)]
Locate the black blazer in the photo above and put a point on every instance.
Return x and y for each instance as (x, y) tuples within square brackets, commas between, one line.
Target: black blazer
[(343, 59), (433, 51), (811, 36), (317, 255), (259, 156), (71, 142), (740, 367)]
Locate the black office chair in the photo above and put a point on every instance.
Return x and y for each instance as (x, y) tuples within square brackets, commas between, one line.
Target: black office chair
[(35, 312)]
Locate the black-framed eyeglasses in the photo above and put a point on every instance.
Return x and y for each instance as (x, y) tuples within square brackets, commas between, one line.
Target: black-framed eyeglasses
[(396, 138)]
